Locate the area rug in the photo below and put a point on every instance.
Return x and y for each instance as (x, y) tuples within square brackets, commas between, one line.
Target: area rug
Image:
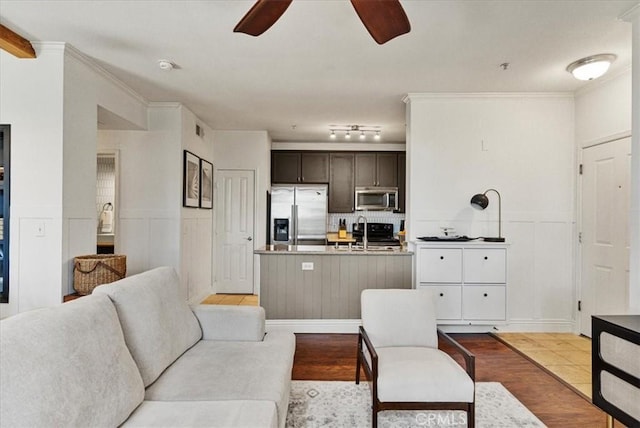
[(345, 404)]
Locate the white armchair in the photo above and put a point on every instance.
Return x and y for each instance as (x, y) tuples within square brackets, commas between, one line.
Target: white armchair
[(401, 358)]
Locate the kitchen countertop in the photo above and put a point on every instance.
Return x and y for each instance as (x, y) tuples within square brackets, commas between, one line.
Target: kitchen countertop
[(332, 250)]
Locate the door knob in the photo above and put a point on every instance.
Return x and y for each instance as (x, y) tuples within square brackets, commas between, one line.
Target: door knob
[(249, 239)]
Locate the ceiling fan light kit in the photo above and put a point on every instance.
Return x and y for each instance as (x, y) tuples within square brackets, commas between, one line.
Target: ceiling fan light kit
[(591, 67), (383, 19)]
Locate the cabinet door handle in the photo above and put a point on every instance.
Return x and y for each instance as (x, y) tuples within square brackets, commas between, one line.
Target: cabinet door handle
[(441, 257), (485, 294), (486, 258), (441, 294)]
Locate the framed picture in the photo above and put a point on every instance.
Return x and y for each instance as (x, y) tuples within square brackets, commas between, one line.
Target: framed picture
[(191, 180), (206, 184)]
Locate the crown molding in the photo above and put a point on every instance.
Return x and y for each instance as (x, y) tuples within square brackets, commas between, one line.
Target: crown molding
[(461, 95), (92, 64), (631, 14)]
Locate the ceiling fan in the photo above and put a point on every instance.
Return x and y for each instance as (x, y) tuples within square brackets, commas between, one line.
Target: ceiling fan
[(384, 19)]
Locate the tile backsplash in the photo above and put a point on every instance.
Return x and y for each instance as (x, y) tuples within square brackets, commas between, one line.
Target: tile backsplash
[(372, 217)]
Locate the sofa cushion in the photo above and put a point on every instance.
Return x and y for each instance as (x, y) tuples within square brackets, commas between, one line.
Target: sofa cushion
[(210, 414), (157, 322), (221, 370), (67, 366)]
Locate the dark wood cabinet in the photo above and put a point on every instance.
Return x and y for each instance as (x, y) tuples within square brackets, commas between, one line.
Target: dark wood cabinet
[(402, 182), (285, 167), (341, 183), (296, 167), (343, 171), (376, 169), (314, 167)]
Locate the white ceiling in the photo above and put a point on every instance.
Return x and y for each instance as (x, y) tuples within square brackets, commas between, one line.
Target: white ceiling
[(318, 66)]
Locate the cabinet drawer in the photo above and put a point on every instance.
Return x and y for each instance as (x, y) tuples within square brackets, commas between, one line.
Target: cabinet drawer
[(485, 266), (448, 301), (440, 265), (484, 302)]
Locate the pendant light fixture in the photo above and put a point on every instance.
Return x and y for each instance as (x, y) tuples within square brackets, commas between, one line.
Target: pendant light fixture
[(591, 67)]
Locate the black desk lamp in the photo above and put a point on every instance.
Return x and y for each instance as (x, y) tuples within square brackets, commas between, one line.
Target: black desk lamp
[(481, 201)]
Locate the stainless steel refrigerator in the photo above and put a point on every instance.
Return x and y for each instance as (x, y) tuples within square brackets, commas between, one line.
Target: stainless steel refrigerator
[(299, 214)]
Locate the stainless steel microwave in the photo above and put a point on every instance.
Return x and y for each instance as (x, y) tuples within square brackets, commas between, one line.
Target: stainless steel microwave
[(376, 198)]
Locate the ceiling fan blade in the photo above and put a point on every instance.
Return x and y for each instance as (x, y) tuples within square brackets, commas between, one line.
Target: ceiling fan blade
[(384, 19), (262, 15)]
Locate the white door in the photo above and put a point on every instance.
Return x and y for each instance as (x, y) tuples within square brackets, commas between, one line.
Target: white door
[(235, 231), (605, 226)]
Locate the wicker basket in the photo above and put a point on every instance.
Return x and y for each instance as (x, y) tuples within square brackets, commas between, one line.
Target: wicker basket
[(96, 269)]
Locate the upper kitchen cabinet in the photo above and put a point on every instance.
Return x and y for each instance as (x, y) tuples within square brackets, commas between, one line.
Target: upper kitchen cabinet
[(341, 183), (299, 167), (376, 169)]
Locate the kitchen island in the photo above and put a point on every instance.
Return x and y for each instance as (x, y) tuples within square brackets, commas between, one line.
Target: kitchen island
[(299, 282)]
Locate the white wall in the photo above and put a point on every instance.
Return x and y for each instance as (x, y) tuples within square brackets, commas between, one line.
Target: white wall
[(603, 110), (250, 150), (32, 103), (523, 146), (197, 224), (51, 104)]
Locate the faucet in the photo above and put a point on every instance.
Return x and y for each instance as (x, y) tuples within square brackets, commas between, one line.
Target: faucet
[(364, 236)]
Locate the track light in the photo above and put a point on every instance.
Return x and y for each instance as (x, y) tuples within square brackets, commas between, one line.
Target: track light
[(348, 129)]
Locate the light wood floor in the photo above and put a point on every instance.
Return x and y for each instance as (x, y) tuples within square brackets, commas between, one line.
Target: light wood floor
[(565, 355), (231, 299)]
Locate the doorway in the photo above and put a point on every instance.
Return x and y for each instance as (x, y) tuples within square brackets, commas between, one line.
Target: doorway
[(235, 231), (605, 231), (107, 201)]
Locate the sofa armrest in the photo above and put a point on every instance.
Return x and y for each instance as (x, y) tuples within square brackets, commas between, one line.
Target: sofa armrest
[(231, 323)]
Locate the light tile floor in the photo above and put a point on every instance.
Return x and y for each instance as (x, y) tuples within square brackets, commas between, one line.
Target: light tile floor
[(566, 355), (231, 299)]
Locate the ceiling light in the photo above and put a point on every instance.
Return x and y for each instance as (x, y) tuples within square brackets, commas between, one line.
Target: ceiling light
[(165, 65), (591, 67), (362, 131)]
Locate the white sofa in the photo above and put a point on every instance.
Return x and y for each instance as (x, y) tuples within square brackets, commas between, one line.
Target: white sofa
[(134, 354)]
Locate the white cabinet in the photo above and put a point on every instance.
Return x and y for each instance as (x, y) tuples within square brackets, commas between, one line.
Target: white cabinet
[(468, 280)]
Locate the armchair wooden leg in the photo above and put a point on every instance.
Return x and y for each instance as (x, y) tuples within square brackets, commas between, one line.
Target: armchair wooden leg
[(374, 417), (358, 354), (471, 416)]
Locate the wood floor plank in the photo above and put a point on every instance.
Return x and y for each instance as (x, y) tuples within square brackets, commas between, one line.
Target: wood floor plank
[(333, 357)]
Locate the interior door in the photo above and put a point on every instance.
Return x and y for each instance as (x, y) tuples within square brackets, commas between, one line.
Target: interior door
[(605, 225), (235, 231)]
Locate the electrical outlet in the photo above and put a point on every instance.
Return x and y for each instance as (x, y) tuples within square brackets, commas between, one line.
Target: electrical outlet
[(307, 265)]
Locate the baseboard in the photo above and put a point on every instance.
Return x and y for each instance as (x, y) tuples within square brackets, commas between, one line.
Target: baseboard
[(547, 326), (314, 326)]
